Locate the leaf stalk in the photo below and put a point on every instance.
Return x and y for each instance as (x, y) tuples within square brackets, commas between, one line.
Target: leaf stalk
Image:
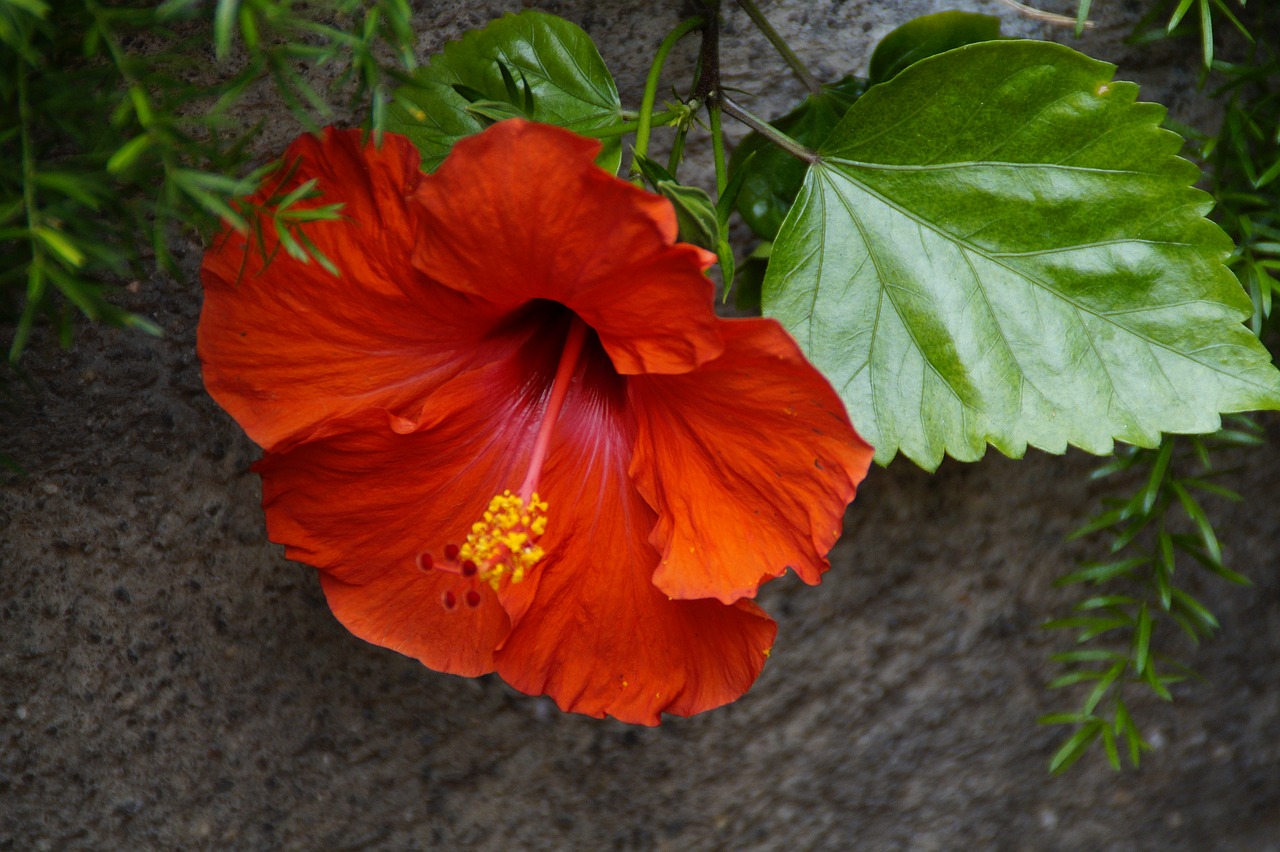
[(644, 125), (768, 131)]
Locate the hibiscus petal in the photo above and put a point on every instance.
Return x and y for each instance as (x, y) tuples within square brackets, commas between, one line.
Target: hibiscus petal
[(403, 612), (589, 627), (749, 462), (289, 349), (361, 505), (521, 212)]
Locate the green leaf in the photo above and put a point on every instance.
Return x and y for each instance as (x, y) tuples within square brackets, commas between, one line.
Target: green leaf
[(1196, 611), (1109, 743), (128, 154), (1125, 725), (927, 36), (772, 177), (1075, 747), (1094, 572), (1101, 522), (1142, 641), (1072, 678), (1090, 626), (1000, 245), (61, 245), (695, 213), (495, 111), (223, 21), (1082, 16), (1103, 601), (1203, 525), (540, 65), (728, 266), (1088, 655), (1147, 496), (750, 278)]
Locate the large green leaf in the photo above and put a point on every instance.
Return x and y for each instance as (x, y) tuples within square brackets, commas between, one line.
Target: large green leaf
[(1000, 245), (493, 71)]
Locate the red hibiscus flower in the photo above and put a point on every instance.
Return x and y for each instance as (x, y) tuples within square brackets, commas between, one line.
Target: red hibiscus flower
[(512, 434)]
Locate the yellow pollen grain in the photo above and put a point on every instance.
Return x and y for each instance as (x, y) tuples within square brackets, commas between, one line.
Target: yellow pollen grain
[(504, 543)]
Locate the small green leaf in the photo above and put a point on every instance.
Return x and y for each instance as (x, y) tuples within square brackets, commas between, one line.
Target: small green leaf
[(58, 243), (725, 203), (1130, 532), (1072, 678), (1075, 747), (927, 36), (1164, 571), (1178, 13), (653, 171), (728, 266), (1147, 497), (1090, 625), (320, 257), (1101, 572), (541, 65), (128, 154), (1101, 522), (1116, 465), (1142, 641), (1103, 601), (695, 213), (223, 20), (1082, 16), (1156, 682), (1088, 655), (1229, 575), (85, 188), (1126, 727), (1196, 611), (1213, 488), (494, 111), (34, 7), (1203, 525), (1109, 744), (1001, 246)]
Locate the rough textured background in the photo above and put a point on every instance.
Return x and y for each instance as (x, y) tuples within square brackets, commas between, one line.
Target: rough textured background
[(168, 680)]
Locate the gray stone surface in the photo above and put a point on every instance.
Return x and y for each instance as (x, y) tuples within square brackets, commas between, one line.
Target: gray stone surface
[(168, 680)]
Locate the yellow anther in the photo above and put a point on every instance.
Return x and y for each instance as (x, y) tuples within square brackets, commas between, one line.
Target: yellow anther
[(504, 544)]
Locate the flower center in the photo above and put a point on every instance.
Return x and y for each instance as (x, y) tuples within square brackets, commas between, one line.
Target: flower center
[(503, 544)]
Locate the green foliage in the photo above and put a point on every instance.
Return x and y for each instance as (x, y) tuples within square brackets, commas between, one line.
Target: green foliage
[(1035, 270), (1185, 17), (1244, 164), (1161, 523), (531, 64), (1138, 593), (928, 36), (120, 129), (695, 212)]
